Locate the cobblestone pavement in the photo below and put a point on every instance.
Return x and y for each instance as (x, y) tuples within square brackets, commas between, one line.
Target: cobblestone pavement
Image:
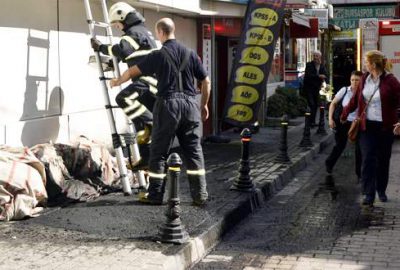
[(316, 222), (116, 232)]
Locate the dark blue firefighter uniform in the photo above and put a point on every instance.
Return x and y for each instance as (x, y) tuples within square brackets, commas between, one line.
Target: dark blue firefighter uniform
[(176, 113), (137, 99)]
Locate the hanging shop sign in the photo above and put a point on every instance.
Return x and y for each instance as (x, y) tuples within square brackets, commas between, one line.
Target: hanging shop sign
[(207, 47), (252, 64)]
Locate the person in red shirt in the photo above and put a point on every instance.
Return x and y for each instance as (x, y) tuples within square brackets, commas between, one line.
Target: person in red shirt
[(376, 128)]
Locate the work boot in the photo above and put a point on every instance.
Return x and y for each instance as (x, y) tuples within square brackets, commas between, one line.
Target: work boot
[(145, 199), (140, 165), (144, 136), (155, 195), (198, 189), (382, 196), (368, 200)]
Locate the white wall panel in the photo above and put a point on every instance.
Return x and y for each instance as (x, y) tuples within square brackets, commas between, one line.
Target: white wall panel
[(31, 132), (49, 91), (2, 134)]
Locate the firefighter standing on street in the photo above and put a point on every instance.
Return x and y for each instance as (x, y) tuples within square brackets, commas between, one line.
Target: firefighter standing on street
[(176, 111), (136, 100)]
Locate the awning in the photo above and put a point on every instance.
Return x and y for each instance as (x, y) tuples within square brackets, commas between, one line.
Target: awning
[(301, 20), (297, 30)]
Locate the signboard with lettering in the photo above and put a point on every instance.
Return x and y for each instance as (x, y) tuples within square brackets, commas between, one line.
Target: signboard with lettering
[(348, 17), (321, 14), (207, 48), (350, 34), (252, 64), (369, 36)]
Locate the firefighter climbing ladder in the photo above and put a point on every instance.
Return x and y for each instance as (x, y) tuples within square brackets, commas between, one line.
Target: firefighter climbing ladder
[(118, 140)]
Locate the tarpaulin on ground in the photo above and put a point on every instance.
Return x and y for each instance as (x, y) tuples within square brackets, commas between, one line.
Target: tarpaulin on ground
[(22, 183), (253, 60), (79, 171)]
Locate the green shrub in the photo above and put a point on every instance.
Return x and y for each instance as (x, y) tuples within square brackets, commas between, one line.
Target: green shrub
[(302, 106), (276, 106), (286, 100)]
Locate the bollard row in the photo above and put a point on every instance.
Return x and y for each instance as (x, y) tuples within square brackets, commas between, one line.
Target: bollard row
[(172, 231)]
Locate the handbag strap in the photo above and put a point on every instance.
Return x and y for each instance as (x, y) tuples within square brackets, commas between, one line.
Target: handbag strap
[(344, 95), (369, 101)]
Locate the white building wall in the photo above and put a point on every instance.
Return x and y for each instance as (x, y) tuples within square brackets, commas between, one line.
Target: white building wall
[(49, 91)]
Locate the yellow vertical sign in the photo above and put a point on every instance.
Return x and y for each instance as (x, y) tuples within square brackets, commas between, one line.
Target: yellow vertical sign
[(250, 72)]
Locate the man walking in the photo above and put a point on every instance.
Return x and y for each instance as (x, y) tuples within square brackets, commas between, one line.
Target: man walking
[(315, 75), (176, 111)]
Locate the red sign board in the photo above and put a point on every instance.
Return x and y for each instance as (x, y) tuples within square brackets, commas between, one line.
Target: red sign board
[(229, 27), (389, 27)]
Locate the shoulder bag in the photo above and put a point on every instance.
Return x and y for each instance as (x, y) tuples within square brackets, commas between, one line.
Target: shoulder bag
[(338, 109)]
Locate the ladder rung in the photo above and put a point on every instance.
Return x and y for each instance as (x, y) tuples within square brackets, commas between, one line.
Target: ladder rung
[(99, 24), (38, 78)]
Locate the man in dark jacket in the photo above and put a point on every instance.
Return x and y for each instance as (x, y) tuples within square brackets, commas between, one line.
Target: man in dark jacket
[(136, 100), (314, 76)]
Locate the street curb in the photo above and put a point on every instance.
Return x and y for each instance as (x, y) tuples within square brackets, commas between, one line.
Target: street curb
[(193, 251)]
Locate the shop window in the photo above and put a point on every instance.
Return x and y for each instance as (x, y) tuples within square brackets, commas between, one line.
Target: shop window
[(277, 66)]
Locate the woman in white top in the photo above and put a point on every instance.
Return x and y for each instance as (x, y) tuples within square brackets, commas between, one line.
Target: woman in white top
[(377, 100), (342, 98)]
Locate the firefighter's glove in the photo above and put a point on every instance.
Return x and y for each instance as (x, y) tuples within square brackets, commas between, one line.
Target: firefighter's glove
[(95, 44)]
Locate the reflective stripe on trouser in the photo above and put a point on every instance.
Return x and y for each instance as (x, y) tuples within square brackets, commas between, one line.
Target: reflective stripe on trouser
[(180, 117), (134, 101)]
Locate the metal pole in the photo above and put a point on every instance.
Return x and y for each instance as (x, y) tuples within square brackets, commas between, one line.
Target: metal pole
[(283, 157), (172, 231), (244, 182), (321, 124), (306, 140), (214, 90), (116, 140)]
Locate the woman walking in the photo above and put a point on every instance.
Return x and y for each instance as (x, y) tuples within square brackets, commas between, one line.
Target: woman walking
[(341, 100), (377, 100)]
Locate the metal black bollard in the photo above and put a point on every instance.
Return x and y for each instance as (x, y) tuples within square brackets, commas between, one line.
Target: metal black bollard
[(321, 124), (306, 141), (283, 157), (173, 231), (243, 182)]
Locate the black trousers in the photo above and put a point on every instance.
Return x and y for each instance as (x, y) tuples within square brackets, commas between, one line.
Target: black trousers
[(313, 103), (376, 149), (177, 116), (137, 102), (340, 145)]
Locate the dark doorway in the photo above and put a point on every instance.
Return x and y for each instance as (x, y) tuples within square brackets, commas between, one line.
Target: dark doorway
[(344, 62)]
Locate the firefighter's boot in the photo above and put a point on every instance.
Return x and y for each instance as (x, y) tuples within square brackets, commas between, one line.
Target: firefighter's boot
[(156, 190), (198, 188), (144, 136)]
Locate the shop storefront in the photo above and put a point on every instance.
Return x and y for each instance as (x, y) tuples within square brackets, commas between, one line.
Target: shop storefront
[(359, 25)]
